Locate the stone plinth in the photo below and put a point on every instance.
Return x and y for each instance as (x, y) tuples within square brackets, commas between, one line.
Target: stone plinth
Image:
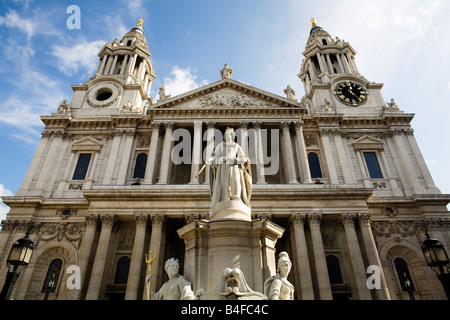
[(230, 209), (212, 246)]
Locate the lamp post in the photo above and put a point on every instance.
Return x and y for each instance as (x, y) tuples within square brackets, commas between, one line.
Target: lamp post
[(18, 258), (437, 259)]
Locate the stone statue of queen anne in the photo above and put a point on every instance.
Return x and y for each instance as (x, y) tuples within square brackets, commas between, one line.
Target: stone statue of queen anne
[(230, 174)]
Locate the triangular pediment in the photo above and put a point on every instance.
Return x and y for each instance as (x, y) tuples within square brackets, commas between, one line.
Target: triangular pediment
[(367, 142), (226, 94), (87, 144)]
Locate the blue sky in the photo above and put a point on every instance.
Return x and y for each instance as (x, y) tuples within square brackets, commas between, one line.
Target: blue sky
[(404, 44)]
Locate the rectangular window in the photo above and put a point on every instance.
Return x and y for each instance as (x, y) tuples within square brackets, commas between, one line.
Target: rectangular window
[(373, 165), (82, 166)]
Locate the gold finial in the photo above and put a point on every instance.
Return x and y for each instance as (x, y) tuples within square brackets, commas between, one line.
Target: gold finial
[(313, 21), (140, 23)]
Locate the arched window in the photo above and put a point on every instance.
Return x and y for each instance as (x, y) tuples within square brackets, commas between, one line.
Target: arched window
[(129, 43), (403, 275), (314, 165), (334, 269), (52, 277), (122, 269), (140, 165)]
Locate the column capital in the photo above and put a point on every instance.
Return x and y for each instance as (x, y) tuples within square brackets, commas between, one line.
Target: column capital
[(314, 218), (257, 125), (156, 126), (210, 125), (108, 220), (8, 225), (298, 124), (348, 219), (198, 124), (243, 124), (298, 219), (91, 220), (141, 219), (170, 125), (285, 124), (364, 218), (157, 220)]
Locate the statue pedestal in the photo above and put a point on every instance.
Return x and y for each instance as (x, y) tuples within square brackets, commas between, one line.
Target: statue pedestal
[(216, 244), (230, 209)]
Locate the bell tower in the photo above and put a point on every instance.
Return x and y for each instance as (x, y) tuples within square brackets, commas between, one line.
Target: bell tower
[(331, 78), (123, 79)]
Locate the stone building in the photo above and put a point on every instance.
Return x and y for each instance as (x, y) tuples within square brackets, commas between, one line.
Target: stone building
[(337, 175)]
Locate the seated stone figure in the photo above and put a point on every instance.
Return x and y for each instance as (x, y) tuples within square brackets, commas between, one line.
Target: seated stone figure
[(278, 287), (231, 286), (176, 288)]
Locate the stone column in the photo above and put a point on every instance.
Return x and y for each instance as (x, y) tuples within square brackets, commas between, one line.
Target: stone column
[(167, 148), (196, 151), (260, 178), (330, 65), (372, 253), (51, 157), (304, 169), (321, 63), (289, 153), (329, 154), (346, 163), (101, 66), (100, 258), (132, 63), (312, 70), (155, 249), (123, 169), (405, 160), (153, 149), (341, 65), (137, 258), (320, 261), (85, 252), (302, 259), (111, 162), (421, 163), (123, 71), (108, 65), (359, 272), (209, 147), (113, 66)]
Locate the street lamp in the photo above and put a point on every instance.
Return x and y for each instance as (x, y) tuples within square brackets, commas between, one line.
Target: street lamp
[(18, 258), (437, 259)]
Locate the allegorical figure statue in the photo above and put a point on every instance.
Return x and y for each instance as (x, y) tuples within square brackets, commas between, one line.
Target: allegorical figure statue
[(177, 287), (278, 287), (231, 286), (230, 173)]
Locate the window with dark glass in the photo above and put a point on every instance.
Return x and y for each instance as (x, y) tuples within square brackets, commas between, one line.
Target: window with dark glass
[(82, 166), (314, 165), (122, 269), (51, 279), (373, 165), (403, 275), (140, 165)]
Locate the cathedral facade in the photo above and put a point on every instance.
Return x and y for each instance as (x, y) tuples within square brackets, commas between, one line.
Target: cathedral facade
[(338, 182)]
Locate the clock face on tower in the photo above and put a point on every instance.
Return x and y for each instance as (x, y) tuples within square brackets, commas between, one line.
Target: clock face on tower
[(351, 93)]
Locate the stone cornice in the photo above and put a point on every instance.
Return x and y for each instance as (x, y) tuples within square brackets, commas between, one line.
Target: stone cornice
[(282, 192)]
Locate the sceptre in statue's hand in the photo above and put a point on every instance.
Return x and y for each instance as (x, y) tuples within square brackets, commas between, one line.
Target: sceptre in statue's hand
[(149, 277)]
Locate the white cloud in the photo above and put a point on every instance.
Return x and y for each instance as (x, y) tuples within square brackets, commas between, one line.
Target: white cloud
[(80, 56), (182, 80), (12, 20)]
